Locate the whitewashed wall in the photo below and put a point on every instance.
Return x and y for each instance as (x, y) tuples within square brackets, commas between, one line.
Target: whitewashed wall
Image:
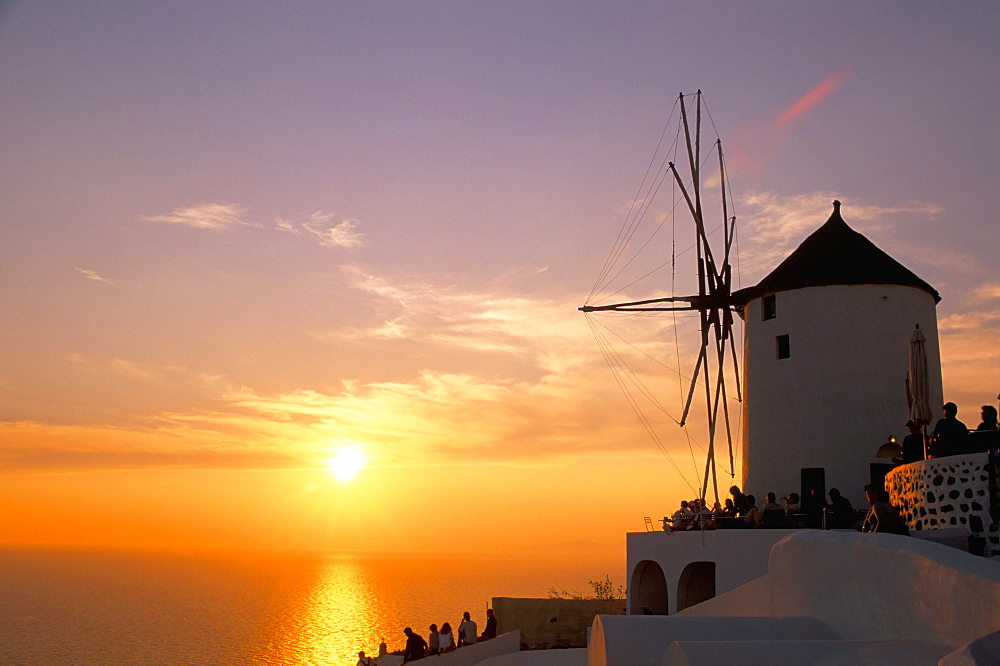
[(739, 556), (840, 393), (902, 596), (887, 587)]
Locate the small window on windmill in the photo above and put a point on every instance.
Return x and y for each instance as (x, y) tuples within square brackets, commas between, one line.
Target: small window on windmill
[(770, 308), (784, 350)]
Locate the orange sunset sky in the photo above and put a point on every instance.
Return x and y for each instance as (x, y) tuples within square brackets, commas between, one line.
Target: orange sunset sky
[(240, 238)]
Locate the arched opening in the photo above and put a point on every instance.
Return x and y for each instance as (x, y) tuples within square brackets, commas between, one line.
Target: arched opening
[(697, 584), (648, 590)]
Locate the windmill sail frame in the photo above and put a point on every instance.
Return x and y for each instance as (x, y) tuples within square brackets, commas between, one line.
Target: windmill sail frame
[(714, 301)]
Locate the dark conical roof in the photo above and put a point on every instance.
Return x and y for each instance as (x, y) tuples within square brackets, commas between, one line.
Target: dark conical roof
[(835, 254)]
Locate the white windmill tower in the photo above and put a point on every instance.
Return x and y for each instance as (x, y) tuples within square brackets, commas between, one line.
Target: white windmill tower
[(825, 339), (825, 360)]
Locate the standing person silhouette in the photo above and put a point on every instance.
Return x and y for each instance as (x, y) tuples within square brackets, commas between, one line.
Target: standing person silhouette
[(950, 435), (913, 444)]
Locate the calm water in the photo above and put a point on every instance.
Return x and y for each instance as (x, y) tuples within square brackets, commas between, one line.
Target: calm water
[(94, 607)]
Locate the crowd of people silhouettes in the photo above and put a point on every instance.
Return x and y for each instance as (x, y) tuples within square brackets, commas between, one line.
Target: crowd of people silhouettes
[(743, 511), (949, 437)]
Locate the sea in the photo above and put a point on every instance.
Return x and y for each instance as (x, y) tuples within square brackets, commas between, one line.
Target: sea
[(83, 606)]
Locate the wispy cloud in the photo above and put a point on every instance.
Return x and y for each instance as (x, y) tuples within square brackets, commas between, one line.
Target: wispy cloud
[(331, 233), (970, 357), (93, 275), (446, 316), (321, 227), (37, 446), (217, 217), (325, 229), (438, 418), (133, 370), (286, 225), (968, 321), (805, 103), (978, 316), (435, 418), (989, 292), (754, 148)]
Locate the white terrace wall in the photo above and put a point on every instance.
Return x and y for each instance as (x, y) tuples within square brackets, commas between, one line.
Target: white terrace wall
[(805, 653), (567, 657), (641, 640), (885, 587)]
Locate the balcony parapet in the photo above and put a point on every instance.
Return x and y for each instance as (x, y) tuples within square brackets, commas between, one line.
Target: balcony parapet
[(944, 493)]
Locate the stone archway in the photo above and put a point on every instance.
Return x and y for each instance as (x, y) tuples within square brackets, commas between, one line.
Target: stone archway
[(648, 590), (696, 584)]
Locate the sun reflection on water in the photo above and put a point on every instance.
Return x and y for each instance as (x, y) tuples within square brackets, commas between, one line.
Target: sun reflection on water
[(323, 611), (338, 617)]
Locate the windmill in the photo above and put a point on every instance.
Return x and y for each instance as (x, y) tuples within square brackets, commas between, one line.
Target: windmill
[(714, 304)]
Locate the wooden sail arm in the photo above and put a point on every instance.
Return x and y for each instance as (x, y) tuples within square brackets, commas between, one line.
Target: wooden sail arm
[(683, 189), (723, 336), (702, 358), (694, 209), (692, 159), (702, 303), (634, 305), (736, 372), (728, 223)]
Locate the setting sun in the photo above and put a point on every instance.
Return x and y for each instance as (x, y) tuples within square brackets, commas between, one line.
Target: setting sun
[(346, 464)]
